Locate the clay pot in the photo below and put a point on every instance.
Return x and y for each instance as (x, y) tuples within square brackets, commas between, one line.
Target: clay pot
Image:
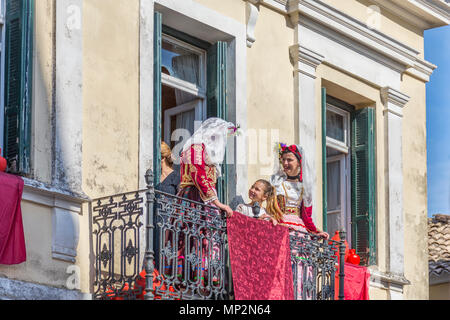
[(353, 258)]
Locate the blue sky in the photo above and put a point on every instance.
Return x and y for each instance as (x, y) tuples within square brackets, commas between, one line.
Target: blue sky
[(437, 51)]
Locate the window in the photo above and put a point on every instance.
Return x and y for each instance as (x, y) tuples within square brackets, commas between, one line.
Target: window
[(183, 76), (190, 86), (17, 44), (338, 169), (349, 174)]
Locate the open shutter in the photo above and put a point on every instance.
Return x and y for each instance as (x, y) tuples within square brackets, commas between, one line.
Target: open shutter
[(216, 99), (324, 159), (18, 80), (363, 184), (157, 96)]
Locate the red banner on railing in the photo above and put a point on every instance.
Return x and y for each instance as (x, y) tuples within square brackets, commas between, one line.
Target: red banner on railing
[(260, 259), (12, 239)]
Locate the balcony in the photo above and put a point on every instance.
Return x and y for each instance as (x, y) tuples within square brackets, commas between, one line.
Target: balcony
[(151, 245)]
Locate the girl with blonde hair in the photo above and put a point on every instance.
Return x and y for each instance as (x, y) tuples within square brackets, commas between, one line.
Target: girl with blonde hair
[(261, 191)]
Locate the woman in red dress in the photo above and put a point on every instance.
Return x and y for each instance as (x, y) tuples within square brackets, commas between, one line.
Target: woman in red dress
[(201, 160), (293, 187)]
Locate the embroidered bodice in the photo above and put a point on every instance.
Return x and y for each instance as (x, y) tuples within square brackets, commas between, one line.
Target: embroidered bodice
[(195, 172), (292, 192)]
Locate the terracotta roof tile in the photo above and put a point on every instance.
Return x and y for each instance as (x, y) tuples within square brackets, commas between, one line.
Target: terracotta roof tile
[(439, 244)]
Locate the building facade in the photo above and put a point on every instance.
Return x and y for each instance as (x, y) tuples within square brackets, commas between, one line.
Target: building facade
[(101, 85)]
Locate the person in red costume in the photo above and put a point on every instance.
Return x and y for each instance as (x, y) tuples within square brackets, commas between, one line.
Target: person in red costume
[(294, 190), (200, 166)]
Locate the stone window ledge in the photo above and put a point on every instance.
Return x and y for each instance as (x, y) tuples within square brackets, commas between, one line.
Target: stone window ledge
[(386, 280), (66, 208), (55, 197)]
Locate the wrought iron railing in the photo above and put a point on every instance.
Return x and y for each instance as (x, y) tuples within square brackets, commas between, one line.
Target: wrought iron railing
[(149, 244)]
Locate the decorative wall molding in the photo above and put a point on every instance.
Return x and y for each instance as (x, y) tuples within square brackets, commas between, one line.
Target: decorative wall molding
[(392, 283), (423, 14), (252, 12), (393, 100), (353, 29), (277, 5), (371, 41), (421, 69), (306, 60), (54, 197)]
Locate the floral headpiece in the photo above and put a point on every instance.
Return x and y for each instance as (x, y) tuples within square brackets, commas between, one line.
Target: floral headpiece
[(234, 131), (283, 148)]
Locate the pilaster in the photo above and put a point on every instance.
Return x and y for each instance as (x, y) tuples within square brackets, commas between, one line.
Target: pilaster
[(394, 102), (305, 63)]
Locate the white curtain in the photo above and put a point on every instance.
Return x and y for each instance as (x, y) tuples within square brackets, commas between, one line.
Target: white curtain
[(185, 120), (334, 196), (185, 67)]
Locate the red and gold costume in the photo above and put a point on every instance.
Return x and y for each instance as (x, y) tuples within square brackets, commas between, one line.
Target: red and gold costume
[(198, 179)]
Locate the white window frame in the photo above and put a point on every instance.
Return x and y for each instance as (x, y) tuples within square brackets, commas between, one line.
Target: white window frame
[(342, 146), (2, 73), (198, 91), (171, 81), (345, 166), (195, 104)]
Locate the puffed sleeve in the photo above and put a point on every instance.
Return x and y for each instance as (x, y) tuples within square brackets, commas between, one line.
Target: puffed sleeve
[(203, 176)]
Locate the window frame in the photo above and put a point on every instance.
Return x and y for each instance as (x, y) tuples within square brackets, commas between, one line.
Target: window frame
[(196, 105), (176, 83), (199, 91), (345, 165), (216, 90)]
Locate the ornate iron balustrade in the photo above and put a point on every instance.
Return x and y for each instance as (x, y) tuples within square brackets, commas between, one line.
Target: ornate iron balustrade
[(186, 251), (314, 265), (117, 228)]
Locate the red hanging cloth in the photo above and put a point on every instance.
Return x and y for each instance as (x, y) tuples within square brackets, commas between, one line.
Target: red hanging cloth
[(12, 238), (356, 282), (260, 259)]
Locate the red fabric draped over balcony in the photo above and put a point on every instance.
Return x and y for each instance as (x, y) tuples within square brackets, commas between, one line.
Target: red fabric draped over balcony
[(356, 282), (12, 239), (260, 259)]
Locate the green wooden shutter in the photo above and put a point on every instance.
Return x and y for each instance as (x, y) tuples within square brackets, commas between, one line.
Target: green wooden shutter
[(18, 84), (157, 97), (324, 159), (363, 184), (216, 99)]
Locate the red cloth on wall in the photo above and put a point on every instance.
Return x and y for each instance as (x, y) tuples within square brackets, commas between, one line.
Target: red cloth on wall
[(356, 282), (260, 259), (12, 238)]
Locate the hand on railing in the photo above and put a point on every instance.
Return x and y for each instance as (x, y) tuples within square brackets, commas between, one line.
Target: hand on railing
[(322, 234), (223, 207)]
